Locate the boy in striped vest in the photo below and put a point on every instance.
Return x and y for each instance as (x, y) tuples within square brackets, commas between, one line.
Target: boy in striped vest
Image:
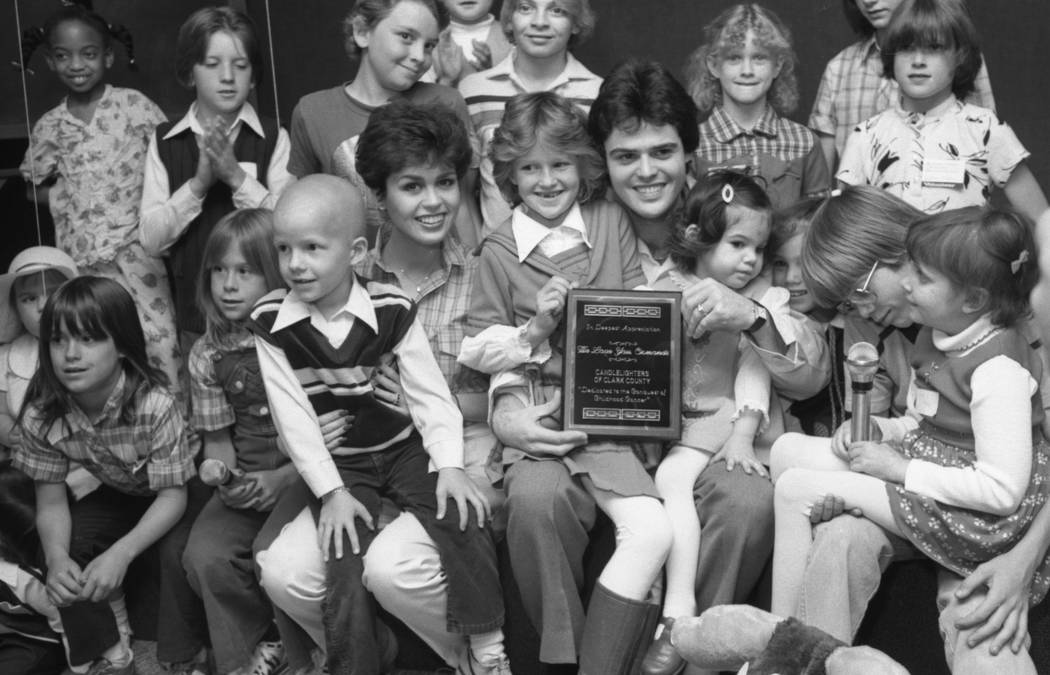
[(319, 344)]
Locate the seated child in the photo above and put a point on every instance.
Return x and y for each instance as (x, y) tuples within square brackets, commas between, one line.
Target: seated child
[(820, 414), (318, 345), (963, 475), (743, 81), (473, 41), (219, 157), (725, 387), (95, 399), (542, 32), (931, 149), (562, 234), (30, 628)]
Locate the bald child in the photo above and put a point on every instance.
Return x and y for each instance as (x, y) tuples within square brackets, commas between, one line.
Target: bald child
[(319, 343)]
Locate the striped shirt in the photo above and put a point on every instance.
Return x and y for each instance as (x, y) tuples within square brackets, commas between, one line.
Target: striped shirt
[(783, 153), (853, 89), (487, 93), (138, 459), (312, 365)]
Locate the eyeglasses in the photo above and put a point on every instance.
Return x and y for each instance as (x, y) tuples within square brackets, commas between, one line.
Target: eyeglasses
[(861, 297)]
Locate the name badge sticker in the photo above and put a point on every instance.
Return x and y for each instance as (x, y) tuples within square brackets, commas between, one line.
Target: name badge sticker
[(943, 172)]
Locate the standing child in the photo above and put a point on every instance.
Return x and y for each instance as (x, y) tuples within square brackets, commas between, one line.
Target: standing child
[(542, 32), (96, 400), (743, 77), (393, 43), (930, 149), (725, 388), (853, 87), (86, 162), (965, 472), (473, 41), (562, 235), (220, 156), (319, 344)]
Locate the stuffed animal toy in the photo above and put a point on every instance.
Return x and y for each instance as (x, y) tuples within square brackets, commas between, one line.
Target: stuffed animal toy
[(748, 640)]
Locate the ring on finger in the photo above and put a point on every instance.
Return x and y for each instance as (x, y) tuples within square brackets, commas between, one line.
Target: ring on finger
[(397, 399)]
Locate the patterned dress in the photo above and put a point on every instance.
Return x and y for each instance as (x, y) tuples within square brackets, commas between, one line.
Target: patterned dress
[(95, 205)]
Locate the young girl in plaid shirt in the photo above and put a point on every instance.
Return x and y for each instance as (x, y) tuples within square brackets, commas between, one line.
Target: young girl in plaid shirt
[(742, 79), (96, 400)]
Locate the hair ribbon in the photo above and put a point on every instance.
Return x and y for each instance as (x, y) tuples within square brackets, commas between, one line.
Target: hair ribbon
[(727, 193), (1022, 258)]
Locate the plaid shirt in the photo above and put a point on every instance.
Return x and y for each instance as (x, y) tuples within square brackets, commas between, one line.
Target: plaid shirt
[(783, 153), (211, 408), (853, 89), (138, 459), (442, 302)]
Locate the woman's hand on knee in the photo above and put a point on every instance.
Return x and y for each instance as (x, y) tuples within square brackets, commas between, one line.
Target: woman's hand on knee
[(1002, 614)]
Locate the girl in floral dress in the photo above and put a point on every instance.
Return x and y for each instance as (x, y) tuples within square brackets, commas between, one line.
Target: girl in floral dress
[(85, 160)]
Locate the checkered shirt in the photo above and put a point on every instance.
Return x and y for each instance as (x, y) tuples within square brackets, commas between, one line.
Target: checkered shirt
[(211, 410), (139, 458), (721, 138), (853, 89), (442, 304)]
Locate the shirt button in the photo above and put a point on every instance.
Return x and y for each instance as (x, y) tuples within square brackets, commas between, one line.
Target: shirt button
[(263, 410), (238, 386)]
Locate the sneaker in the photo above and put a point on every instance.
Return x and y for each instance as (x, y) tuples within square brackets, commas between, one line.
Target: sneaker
[(500, 666), (106, 667), (267, 659)]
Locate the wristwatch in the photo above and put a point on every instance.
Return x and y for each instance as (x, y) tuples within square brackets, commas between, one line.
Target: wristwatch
[(760, 317)]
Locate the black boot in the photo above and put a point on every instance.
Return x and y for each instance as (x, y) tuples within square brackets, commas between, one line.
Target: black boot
[(612, 633)]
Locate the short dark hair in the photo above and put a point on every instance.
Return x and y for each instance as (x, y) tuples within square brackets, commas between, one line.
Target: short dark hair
[(402, 134), (84, 16), (936, 24), (979, 247), (192, 43), (706, 207), (642, 91)]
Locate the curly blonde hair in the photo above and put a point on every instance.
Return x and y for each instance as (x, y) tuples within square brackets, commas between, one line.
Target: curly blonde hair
[(729, 31)]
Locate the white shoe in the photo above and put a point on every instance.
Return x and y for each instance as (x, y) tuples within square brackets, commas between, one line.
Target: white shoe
[(267, 659)]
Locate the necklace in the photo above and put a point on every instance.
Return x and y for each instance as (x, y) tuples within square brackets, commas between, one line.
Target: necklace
[(417, 281), (970, 345)]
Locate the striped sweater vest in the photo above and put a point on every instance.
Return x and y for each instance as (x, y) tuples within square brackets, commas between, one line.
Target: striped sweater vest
[(338, 378), (179, 154)]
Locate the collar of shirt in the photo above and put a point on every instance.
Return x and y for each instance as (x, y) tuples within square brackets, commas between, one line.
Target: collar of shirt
[(453, 254), (528, 233), (935, 114), (9, 574), (247, 115), (653, 269), (77, 420), (975, 331), (726, 130), (574, 70), (23, 357), (358, 305), (870, 49)]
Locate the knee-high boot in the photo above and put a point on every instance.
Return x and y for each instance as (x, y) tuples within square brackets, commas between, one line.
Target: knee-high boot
[(612, 633)]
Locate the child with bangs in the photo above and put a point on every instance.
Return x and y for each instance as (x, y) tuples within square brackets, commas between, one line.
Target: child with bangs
[(930, 148), (853, 87), (96, 400), (742, 78), (543, 32), (563, 235)]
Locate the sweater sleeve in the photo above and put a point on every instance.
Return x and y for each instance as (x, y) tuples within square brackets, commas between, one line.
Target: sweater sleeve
[(1001, 416)]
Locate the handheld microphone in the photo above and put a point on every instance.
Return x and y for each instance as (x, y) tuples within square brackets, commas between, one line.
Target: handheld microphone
[(862, 362)]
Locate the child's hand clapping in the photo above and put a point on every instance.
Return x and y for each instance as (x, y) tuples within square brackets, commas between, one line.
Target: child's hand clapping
[(218, 146), (482, 54), (550, 305)]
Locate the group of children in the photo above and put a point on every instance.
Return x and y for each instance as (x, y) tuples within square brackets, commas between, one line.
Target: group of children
[(347, 333)]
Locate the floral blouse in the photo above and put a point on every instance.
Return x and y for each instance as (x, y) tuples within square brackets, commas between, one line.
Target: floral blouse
[(948, 158), (99, 167)]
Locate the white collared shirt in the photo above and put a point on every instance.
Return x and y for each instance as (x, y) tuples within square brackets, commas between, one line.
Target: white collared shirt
[(430, 403), (166, 215), (530, 234)]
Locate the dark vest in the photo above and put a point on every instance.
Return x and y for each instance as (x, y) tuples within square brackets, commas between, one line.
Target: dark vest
[(337, 378), (179, 155)]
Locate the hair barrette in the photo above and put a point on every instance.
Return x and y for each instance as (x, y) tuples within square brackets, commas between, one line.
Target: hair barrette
[(727, 193), (1022, 258)]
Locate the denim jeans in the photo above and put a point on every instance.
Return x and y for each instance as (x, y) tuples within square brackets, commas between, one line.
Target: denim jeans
[(475, 598)]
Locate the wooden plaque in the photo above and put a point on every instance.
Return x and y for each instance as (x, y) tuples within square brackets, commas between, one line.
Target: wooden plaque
[(623, 363)]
